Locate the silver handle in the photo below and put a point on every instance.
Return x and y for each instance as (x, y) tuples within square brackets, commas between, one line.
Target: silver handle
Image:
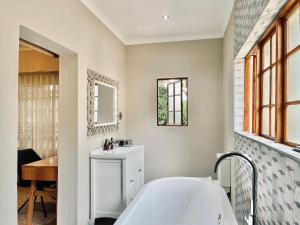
[(131, 181), (140, 170)]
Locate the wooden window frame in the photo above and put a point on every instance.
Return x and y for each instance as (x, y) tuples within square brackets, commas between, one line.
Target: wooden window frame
[(181, 79), (261, 73), (253, 93), (250, 93), (287, 53), (279, 28)]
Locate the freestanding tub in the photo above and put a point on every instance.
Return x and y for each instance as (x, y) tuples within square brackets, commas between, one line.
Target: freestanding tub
[(179, 201)]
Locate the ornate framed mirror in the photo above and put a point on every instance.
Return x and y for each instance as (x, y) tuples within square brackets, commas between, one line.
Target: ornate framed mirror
[(102, 104)]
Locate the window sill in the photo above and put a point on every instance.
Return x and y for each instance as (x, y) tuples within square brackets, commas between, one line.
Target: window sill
[(280, 148)]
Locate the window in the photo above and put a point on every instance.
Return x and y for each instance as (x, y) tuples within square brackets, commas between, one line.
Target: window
[(172, 102), (272, 80), (292, 77), (38, 112), (268, 87)]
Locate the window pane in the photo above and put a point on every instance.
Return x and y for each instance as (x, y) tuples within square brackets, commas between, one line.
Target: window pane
[(171, 89), (171, 103), (162, 99), (293, 121), (293, 30), (273, 119), (293, 77), (273, 48), (184, 85), (266, 88), (177, 88), (273, 97), (171, 118), (266, 54), (177, 118), (177, 103), (167, 106), (265, 121), (184, 103)]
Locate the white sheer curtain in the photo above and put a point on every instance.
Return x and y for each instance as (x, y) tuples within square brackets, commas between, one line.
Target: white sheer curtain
[(38, 112)]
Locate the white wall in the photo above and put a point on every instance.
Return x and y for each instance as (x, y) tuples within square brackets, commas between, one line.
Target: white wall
[(176, 151), (228, 95), (70, 24), (228, 86)]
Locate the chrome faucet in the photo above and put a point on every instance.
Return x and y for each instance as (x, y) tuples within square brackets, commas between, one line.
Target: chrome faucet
[(254, 178)]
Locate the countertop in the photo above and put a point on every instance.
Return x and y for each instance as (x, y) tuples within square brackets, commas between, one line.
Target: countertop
[(116, 153)]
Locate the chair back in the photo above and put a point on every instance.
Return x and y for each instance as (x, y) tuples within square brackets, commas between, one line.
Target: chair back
[(25, 156)]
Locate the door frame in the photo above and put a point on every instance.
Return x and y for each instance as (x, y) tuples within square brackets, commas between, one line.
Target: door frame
[(68, 125)]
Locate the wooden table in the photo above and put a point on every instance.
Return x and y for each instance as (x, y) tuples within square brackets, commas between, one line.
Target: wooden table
[(42, 170)]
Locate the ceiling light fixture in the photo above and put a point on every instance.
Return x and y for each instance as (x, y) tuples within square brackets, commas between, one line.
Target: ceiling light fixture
[(165, 17)]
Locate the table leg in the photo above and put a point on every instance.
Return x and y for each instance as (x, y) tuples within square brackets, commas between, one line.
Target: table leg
[(31, 202)]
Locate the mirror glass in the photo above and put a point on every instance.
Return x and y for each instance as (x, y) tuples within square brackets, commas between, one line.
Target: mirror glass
[(104, 103)]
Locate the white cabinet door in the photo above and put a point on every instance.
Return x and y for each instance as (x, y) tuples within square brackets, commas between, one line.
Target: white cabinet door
[(107, 188), (115, 183)]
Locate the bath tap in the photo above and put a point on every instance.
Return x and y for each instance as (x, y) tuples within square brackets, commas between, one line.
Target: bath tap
[(254, 177)]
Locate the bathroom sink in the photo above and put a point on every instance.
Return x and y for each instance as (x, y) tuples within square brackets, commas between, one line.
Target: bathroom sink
[(121, 149), (116, 153)]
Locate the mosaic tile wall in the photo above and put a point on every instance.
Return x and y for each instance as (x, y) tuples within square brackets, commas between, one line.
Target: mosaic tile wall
[(246, 14), (278, 185)]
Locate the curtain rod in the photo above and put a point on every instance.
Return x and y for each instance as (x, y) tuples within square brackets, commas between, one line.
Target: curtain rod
[(39, 72)]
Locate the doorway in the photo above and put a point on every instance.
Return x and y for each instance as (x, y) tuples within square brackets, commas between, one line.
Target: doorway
[(68, 128), (38, 124)]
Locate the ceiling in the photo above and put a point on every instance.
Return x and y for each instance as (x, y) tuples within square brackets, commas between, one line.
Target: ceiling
[(27, 46), (140, 21)]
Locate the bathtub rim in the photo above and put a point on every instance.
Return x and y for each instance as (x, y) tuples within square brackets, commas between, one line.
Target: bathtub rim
[(131, 207)]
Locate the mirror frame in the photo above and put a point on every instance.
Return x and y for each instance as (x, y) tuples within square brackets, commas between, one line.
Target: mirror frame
[(92, 128)]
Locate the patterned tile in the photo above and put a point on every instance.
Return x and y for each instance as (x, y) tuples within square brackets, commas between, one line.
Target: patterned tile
[(246, 14), (278, 195)]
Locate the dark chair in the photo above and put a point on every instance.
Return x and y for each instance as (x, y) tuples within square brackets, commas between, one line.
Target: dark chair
[(26, 156)]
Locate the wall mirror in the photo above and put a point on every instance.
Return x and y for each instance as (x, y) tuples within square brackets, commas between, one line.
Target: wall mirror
[(102, 104), (172, 102)]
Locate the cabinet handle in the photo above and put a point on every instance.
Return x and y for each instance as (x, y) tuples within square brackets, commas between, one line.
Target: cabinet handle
[(140, 170), (131, 181)]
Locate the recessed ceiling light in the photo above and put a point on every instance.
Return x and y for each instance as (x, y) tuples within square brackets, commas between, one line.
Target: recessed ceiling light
[(166, 17)]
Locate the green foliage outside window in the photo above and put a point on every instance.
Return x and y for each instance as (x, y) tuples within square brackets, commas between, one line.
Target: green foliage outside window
[(185, 112), (162, 104)]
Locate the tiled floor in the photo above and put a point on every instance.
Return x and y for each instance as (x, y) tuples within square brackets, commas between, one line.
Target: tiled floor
[(38, 216)]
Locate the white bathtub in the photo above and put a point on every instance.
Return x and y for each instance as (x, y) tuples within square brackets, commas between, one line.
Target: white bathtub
[(179, 201)]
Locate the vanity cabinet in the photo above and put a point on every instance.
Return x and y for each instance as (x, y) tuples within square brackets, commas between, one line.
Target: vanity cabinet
[(116, 178)]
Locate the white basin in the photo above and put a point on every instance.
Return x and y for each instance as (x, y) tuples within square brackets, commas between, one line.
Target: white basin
[(116, 153)]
